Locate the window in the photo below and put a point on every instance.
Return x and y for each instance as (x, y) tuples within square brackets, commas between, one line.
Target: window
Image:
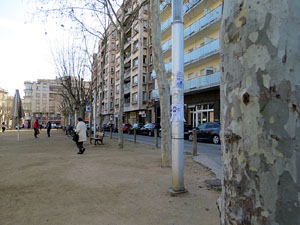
[(135, 46), (112, 69), (144, 96), (135, 80), (45, 89), (136, 28), (38, 102), (44, 95), (144, 77), (144, 59), (145, 23), (118, 75), (134, 97), (145, 42), (118, 60), (38, 95), (117, 101), (38, 88), (151, 58), (28, 87), (111, 105), (118, 89), (135, 62), (112, 81), (28, 94)]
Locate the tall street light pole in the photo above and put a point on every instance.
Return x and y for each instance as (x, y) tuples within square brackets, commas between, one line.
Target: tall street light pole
[(177, 99)]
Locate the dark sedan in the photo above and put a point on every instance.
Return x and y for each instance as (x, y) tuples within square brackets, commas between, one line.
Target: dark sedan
[(187, 128), (208, 132), (148, 128), (137, 127)]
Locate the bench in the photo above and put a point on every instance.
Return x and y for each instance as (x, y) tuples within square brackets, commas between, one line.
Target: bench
[(98, 138)]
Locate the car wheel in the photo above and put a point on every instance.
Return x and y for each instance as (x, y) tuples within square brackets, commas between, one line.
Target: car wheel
[(190, 137), (216, 139)]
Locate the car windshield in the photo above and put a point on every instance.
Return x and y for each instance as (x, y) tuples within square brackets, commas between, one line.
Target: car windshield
[(135, 125), (202, 126), (149, 125)]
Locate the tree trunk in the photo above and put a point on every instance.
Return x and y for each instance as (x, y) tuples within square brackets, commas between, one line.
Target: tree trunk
[(121, 106), (260, 101), (163, 84)]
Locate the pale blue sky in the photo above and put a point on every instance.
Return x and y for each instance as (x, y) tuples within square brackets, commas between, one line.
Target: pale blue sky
[(24, 48)]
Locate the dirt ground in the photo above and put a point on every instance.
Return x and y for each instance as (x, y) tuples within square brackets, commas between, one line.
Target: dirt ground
[(44, 181)]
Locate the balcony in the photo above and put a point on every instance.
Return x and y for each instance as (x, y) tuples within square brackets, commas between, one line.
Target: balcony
[(204, 21), (127, 87), (186, 8), (204, 81), (164, 4), (199, 25), (198, 54)]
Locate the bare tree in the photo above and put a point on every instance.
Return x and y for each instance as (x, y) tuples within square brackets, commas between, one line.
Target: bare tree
[(163, 84), (260, 97), (72, 68)]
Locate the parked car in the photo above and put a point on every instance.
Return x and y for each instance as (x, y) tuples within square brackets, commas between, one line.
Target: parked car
[(106, 127), (126, 127), (59, 126), (148, 128), (187, 128), (207, 131), (137, 126)]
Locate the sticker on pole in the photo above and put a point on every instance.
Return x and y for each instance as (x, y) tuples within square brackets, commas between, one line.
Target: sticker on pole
[(177, 113), (179, 79), (88, 108)]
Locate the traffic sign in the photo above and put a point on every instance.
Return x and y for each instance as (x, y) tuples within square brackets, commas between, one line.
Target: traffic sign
[(88, 108)]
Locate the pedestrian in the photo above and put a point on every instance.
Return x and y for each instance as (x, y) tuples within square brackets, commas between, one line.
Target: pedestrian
[(81, 132), (48, 126), (3, 126), (36, 126)]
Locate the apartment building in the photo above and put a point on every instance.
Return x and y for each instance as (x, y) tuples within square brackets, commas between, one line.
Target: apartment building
[(138, 107), (202, 20), (42, 101), (6, 104)]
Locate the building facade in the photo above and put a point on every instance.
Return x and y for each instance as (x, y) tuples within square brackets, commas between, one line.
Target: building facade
[(42, 101), (6, 104), (202, 20), (138, 107)]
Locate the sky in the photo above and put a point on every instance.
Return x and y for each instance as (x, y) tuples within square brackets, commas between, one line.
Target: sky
[(25, 48)]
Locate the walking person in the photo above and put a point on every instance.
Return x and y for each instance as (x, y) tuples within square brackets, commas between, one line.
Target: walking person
[(36, 126), (81, 131), (3, 126), (48, 126)]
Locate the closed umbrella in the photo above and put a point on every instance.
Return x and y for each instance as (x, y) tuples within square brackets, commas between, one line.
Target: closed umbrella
[(17, 111)]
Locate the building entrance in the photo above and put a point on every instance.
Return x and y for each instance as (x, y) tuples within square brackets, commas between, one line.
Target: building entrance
[(202, 114)]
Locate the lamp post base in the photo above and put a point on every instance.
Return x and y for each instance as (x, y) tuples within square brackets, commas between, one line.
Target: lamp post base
[(175, 192)]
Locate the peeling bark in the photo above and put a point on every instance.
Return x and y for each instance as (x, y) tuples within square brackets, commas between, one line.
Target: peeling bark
[(260, 101)]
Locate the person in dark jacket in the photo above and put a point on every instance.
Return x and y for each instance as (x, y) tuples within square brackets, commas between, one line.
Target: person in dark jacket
[(48, 126)]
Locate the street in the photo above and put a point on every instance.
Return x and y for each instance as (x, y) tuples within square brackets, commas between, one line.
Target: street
[(210, 155)]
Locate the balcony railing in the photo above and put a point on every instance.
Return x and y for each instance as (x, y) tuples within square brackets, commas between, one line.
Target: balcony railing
[(202, 82), (203, 21), (197, 54), (200, 24), (186, 7)]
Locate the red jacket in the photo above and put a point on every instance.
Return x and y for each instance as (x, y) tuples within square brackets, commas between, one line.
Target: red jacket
[(36, 125)]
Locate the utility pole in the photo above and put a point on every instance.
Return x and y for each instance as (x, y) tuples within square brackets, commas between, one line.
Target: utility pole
[(94, 114), (177, 99)]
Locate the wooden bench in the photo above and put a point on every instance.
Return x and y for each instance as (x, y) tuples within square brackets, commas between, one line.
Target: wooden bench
[(98, 138)]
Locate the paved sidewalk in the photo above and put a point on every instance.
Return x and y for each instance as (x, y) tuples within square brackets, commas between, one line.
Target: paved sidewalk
[(43, 181)]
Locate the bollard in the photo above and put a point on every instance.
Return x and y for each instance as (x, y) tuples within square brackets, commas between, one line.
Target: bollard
[(194, 142), (156, 138), (110, 130), (134, 135)]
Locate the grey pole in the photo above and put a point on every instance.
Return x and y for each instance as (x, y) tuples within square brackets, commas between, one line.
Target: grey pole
[(134, 135), (94, 114), (177, 99), (156, 138)]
